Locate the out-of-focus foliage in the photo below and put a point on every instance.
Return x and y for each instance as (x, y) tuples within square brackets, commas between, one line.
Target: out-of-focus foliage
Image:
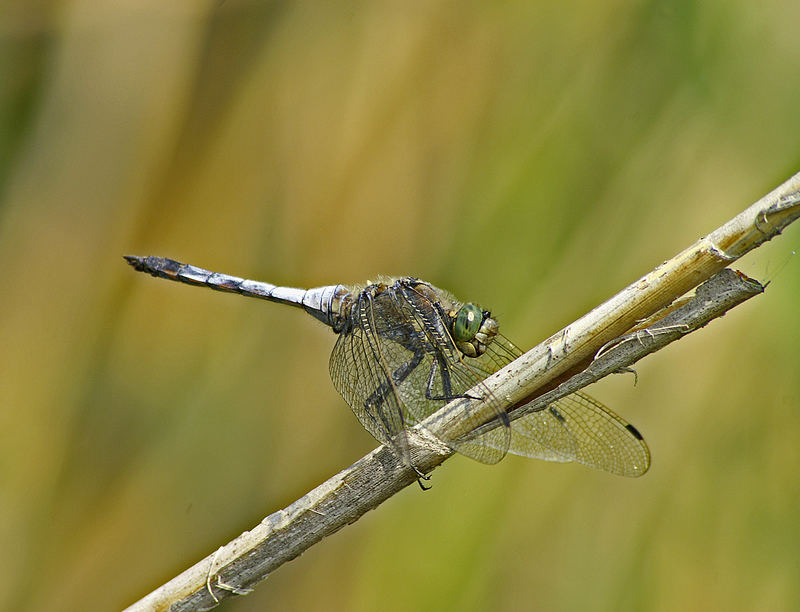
[(533, 157)]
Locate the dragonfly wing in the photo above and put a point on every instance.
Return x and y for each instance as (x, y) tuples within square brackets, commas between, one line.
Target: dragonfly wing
[(581, 429), (575, 428), (363, 376)]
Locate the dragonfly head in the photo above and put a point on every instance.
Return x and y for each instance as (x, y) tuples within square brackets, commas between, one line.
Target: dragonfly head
[(473, 329)]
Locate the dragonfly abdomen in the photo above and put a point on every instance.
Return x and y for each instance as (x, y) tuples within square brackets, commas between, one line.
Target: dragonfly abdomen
[(323, 303)]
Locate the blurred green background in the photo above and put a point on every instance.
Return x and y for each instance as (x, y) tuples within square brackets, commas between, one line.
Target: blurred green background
[(532, 157)]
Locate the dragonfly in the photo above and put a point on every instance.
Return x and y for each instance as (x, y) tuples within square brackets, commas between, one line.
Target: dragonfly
[(405, 348)]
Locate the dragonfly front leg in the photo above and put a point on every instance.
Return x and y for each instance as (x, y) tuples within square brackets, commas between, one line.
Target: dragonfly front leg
[(375, 403), (439, 366), (378, 397)]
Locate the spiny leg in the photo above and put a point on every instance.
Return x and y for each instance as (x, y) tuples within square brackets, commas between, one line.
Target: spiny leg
[(420, 477), (440, 365), (377, 398)]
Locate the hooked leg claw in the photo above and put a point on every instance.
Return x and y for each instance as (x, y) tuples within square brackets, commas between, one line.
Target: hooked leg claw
[(420, 477)]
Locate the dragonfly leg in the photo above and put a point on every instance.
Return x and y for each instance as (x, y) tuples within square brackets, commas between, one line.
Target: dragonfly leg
[(376, 406), (420, 477), (374, 402), (377, 397), (447, 388)]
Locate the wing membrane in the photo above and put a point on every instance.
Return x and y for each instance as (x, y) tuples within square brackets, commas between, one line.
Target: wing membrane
[(396, 364), (579, 428), (363, 375), (575, 428)]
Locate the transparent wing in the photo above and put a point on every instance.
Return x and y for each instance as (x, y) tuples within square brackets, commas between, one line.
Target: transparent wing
[(579, 428), (363, 376), (395, 364), (575, 428)]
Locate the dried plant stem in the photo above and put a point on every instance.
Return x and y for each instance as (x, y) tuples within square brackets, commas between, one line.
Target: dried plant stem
[(566, 359)]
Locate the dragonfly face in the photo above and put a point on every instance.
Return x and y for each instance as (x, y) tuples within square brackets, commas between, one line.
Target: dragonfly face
[(406, 348)]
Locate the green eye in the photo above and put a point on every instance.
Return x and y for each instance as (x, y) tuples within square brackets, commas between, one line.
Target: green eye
[(468, 322)]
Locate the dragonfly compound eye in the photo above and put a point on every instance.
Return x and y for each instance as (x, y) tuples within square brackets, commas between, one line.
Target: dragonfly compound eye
[(468, 322)]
